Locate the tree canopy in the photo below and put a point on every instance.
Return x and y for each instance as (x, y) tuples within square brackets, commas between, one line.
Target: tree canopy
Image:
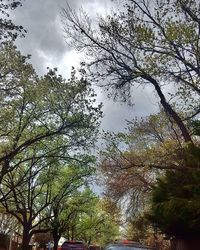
[(48, 125), (42, 117), (175, 204), (132, 160), (149, 43), (151, 176)]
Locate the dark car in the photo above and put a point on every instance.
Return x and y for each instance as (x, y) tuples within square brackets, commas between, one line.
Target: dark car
[(73, 245), (127, 245)]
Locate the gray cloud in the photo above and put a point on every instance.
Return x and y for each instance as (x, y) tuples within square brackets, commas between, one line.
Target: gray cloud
[(116, 114), (45, 42), (45, 37)]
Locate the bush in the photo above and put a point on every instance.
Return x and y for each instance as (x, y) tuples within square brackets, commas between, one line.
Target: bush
[(176, 204)]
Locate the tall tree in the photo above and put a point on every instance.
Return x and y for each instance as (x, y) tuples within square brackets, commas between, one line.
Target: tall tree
[(66, 214), (67, 206), (82, 216), (45, 121), (150, 43), (96, 225), (131, 161), (175, 201), (37, 193), (43, 117)]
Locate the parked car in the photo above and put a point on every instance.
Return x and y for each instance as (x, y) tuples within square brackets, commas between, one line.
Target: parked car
[(127, 245), (73, 245)]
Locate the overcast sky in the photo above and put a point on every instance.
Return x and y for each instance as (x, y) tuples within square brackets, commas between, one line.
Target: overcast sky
[(46, 43)]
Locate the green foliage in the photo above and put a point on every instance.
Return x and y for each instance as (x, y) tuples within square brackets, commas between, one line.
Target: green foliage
[(196, 127), (150, 43), (96, 225), (42, 116), (9, 30), (47, 127), (81, 217), (134, 160), (176, 203)]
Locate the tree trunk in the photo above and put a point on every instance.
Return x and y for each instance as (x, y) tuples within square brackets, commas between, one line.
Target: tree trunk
[(56, 238), (73, 232), (169, 110), (25, 240), (55, 246)]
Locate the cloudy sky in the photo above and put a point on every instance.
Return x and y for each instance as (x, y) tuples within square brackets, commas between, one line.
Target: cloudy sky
[(46, 43)]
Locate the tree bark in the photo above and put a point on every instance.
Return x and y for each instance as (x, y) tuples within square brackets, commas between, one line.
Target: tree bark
[(56, 238), (25, 239), (169, 110)]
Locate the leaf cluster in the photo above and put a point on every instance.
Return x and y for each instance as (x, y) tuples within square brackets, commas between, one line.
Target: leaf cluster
[(8, 29), (175, 203)]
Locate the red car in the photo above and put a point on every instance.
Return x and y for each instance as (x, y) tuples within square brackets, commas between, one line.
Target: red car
[(73, 245)]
